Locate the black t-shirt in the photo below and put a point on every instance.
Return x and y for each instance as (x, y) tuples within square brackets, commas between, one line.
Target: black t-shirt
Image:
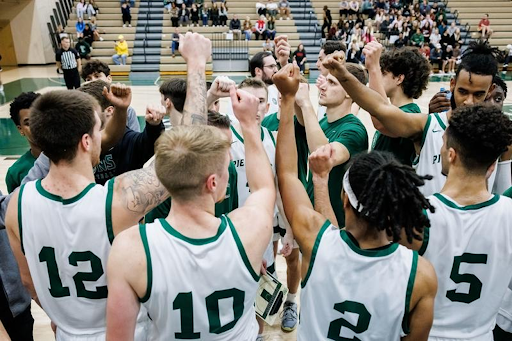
[(299, 55)]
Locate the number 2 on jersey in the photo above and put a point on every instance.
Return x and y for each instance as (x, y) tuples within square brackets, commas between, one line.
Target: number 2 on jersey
[(475, 285), (57, 290), (363, 320)]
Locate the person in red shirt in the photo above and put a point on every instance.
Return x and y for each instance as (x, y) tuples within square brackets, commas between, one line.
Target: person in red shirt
[(261, 28), (484, 27)]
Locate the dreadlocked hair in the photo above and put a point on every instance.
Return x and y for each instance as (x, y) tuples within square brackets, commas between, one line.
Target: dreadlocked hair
[(479, 58), (387, 192)]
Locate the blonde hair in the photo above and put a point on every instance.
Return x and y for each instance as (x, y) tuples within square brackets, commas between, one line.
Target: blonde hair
[(186, 155)]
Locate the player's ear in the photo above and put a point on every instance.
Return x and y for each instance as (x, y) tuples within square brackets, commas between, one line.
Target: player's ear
[(211, 183)]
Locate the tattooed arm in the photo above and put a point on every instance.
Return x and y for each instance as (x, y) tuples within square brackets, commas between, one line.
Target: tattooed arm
[(135, 193), (196, 50)]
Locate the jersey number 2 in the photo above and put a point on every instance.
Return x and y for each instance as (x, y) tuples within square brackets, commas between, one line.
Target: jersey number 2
[(183, 302), (363, 321), (47, 255), (475, 285)]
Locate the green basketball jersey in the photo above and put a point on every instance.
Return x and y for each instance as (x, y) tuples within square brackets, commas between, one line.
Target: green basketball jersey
[(271, 122), (18, 171), (350, 132), (227, 205), (401, 148), (508, 193)]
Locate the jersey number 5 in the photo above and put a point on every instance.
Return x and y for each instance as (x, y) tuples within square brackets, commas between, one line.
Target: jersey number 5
[(363, 321), (475, 285), (47, 255)]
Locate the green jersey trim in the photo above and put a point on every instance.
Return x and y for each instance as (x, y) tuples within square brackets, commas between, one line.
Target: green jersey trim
[(423, 138), (20, 227), (238, 136), (57, 198), (241, 249), (424, 244), (410, 287), (380, 252), (452, 204), (272, 137), (108, 210), (441, 123), (314, 252), (193, 241), (149, 267)]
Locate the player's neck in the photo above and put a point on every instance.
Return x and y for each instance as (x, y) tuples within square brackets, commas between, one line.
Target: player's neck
[(367, 238), (194, 219), (68, 179), (336, 112), (175, 117), (35, 150), (464, 188), (399, 99)]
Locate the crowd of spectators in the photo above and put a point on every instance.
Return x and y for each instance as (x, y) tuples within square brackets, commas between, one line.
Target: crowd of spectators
[(397, 23), (193, 12)]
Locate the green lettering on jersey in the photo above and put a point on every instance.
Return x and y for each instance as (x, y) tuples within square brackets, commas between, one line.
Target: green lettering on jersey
[(475, 285), (363, 320)]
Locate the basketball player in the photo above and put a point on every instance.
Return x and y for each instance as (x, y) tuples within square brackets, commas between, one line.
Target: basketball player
[(470, 242), (385, 287), (153, 263), (400, 75), (473, 81), (340, 127)]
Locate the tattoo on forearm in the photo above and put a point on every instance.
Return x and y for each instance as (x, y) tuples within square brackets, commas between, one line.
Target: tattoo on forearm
[(195, 110), (142, 191)]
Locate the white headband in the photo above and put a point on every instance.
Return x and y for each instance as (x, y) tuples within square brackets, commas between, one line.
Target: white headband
[(350, 193)]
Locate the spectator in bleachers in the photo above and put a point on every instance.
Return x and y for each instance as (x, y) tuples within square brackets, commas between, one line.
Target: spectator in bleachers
[(344, 9), (132, 2), (384, 25), (354, 53), (400, 42), (174, 11), (168, 5), (60, 33), (94, 6), (367, 8), (435, 38), (271, 8), (333, 33), (417, 38), (80, 9), (95, 29), (247, 28), (189, 3), (184, 15), (261, 8), (83, 48), (121, 47), (367, 35), (90, 10), (379, 18), (205, 14), (448, 60), (484, 27), (194, 15), (223, 15), (327, 20), (446, 40), (269, 45), (79, 26), (175, 42), (271, 28), (300, 57), (235, 26), (284, 9), (436, 56), (353, 7), (127, 16), (214, 15), (441, 20), (425, 51), (261, 28), (426, 31), (452, 28), (88, 34), (424, 8)]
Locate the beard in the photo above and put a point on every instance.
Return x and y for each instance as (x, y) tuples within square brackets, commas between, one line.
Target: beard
[(267, 80), (452, 102)]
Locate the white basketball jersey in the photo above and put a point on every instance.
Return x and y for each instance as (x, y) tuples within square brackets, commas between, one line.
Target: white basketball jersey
[(199, 288), (354, 294), (429, 160), (471, 250), (66, 244), (272, 98), (238, 155)]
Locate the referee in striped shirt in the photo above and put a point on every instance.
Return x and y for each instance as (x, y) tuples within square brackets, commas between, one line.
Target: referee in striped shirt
[(69, 61)]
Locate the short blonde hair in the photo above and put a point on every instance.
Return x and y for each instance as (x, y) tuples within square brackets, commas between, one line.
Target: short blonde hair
[(186, 155)]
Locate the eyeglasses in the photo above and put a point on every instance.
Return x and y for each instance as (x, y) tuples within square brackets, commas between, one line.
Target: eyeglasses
[(272, 66)]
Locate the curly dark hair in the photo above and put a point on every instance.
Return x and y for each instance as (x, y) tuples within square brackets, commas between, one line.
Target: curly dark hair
[(409, 62), (479, 58), (480, 134), (94, 66), (23, 101), (501, 83), (388, 192), (331, 46)]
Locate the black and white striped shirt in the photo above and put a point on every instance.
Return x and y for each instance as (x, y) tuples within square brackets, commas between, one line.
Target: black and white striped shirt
[(67, 58)]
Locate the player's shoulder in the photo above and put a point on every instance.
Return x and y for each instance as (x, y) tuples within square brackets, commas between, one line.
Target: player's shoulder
[(426, 278)]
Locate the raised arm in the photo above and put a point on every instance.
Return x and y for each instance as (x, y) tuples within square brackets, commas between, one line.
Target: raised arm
[(305, 222), (134, 194), (392, 118), (321, 163), (283, 49), (219, 89), (120, 96), (196, 50)]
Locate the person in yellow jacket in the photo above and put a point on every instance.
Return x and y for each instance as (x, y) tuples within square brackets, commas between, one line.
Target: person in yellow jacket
[(121, 54)]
